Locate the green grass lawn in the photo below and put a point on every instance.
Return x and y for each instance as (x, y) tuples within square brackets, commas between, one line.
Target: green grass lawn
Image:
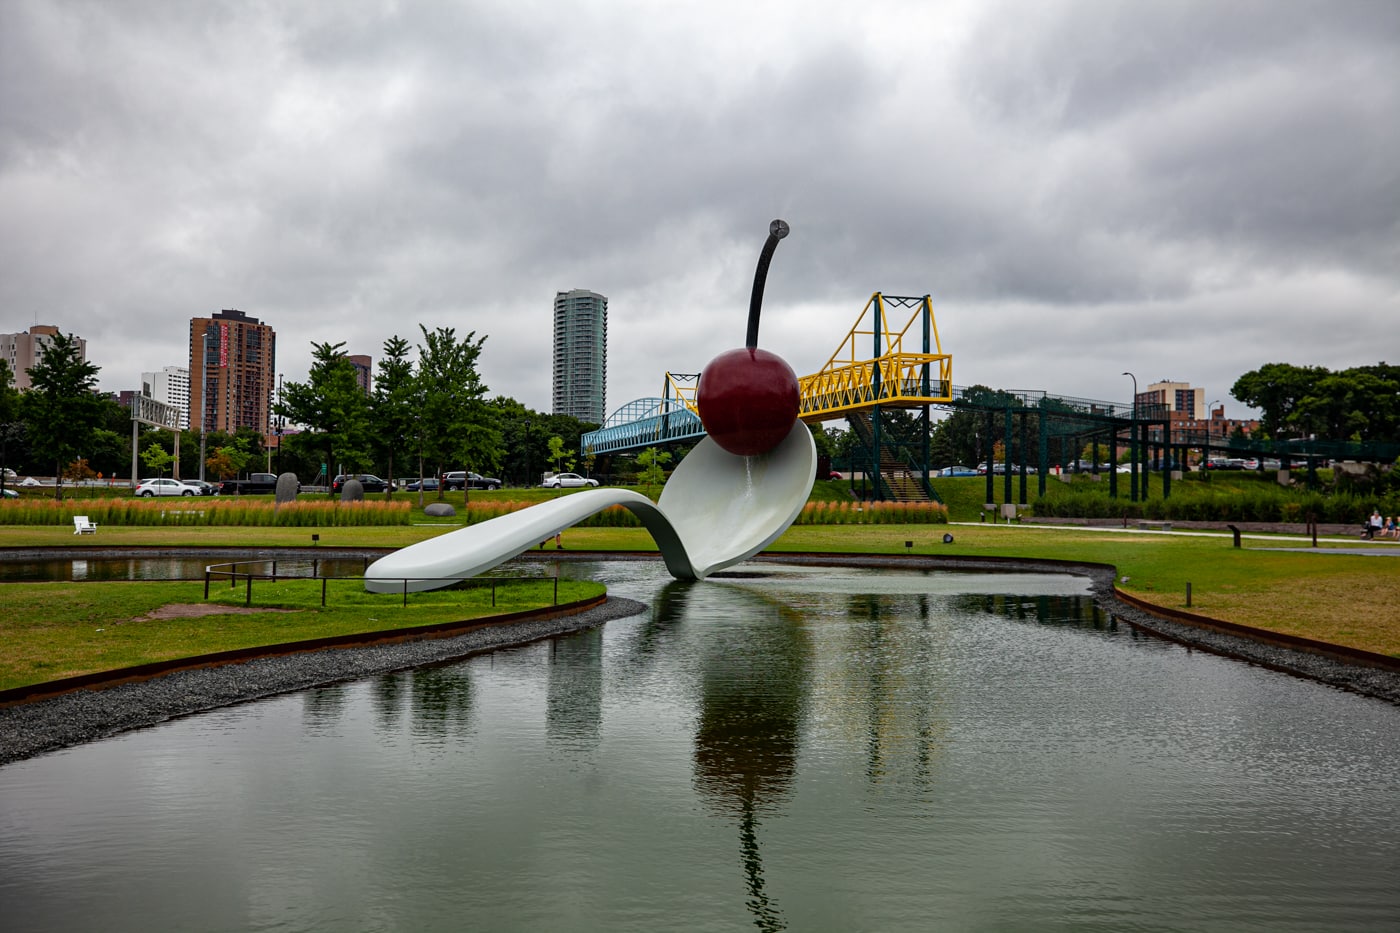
[(55, 630)]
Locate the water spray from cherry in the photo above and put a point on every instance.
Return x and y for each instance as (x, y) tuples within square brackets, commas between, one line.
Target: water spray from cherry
[(748, 398)]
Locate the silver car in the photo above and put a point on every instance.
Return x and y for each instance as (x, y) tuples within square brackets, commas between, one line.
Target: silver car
[(567, 480), (164, 487)]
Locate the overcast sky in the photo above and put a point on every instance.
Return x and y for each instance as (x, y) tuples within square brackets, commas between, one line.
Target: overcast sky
[(1182, 190)]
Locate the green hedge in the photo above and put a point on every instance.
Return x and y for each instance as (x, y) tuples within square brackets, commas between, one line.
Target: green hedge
[(1223, 504)]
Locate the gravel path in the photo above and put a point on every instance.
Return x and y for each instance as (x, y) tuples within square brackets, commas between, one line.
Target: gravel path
[(85, 715)]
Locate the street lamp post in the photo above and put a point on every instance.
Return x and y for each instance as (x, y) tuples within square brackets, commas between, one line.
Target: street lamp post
[(1132, 445), (1210, 432)]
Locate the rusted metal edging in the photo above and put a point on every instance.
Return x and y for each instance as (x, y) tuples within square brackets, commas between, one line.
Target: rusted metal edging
[(1278, 639)]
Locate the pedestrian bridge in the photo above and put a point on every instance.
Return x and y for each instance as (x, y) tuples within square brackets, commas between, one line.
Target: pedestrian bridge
[(880, 362)]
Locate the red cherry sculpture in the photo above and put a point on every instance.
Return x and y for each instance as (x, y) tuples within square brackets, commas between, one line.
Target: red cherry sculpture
[(748, 398)]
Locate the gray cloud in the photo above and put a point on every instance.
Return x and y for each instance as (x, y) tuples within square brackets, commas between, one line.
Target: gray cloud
[(1182, 190)]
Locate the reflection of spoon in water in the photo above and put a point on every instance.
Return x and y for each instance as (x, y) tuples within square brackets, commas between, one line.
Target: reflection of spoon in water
[(717, 510), (732, 496)]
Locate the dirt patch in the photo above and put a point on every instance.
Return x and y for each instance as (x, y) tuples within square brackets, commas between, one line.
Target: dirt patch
[(194, 610)]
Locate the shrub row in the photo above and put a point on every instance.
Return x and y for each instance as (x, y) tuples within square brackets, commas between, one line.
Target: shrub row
[(147, 512), (814, 513), (1225, 504), (873, 513)]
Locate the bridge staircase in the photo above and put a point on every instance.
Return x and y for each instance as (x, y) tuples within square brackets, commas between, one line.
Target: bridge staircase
[(898, 479)]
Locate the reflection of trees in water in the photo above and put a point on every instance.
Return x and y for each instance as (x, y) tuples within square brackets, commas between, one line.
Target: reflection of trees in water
[(887, 687), (667, 614), (1062, 611), (322, 706), (388, 696), (574, 698), (755, 677), (442, 701)]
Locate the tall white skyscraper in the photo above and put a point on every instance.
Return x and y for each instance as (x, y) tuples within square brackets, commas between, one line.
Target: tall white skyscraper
[(581, 355), (172, 386)]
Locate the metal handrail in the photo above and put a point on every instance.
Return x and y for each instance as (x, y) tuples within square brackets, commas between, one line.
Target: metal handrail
[(233, 574)]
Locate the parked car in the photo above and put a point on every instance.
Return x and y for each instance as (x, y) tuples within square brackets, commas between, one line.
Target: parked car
[(465, 479), (428, 484), (201, 487), (164, 487), (10, 493), (568, 480), (369, 481), (958, 470)]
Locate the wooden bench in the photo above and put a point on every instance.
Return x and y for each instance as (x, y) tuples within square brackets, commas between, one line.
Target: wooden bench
[(81, 525)]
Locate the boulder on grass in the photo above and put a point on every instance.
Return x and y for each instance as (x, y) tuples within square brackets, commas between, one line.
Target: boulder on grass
[(352, 491), (440, 510)]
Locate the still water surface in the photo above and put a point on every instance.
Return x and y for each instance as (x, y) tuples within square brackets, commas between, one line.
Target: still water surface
[(804, 749)]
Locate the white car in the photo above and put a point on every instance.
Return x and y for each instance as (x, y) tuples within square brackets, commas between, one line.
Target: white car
[(165, 487), (566, 480)]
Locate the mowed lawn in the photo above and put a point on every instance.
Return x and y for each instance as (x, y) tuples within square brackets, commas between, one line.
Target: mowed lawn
[(52, 630)]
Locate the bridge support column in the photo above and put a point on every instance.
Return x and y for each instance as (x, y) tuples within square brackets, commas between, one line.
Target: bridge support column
[(989, 450), (1006, 453), (1044, 458)]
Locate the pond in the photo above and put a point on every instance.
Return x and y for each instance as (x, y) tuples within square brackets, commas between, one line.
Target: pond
[(784, 748)]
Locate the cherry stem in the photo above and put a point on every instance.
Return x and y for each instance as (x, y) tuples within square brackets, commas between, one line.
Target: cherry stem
[(776, 231)]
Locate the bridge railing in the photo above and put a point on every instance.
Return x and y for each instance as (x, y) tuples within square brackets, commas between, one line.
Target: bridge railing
[(890, 380)]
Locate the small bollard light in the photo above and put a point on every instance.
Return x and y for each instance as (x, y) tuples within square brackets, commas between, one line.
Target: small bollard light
[(315, 539), (1188, 595), (909, 546)]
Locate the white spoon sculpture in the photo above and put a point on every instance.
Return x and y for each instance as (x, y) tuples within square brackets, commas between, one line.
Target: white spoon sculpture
[(717, 510), (732, 496)]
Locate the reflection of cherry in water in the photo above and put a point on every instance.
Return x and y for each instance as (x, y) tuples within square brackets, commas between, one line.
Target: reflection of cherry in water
[(748, 398)]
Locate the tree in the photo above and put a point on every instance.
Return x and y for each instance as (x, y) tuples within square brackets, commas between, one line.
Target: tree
[(1361, 403), (561, 457), (393, 411), (12, 433), (652, 461), (456, 422), (1275, 389), (62, 407), (332, 406), (156, 458)]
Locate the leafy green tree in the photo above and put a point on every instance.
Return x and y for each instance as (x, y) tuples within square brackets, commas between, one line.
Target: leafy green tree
[(1361, 403), (561, 456), (393, 411), (1276, 389), (652, 462), (157, 458), (333, 408), (12, 430), (62, 407), (457, 427)]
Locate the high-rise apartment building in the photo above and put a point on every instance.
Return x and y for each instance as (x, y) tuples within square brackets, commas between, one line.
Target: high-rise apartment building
[(1174, 397), (581, 355), (364, 370), (172, 386), (21, 351), (233, 361)]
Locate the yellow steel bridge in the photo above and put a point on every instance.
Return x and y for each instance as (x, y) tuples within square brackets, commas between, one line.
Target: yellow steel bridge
[(879, 362)]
